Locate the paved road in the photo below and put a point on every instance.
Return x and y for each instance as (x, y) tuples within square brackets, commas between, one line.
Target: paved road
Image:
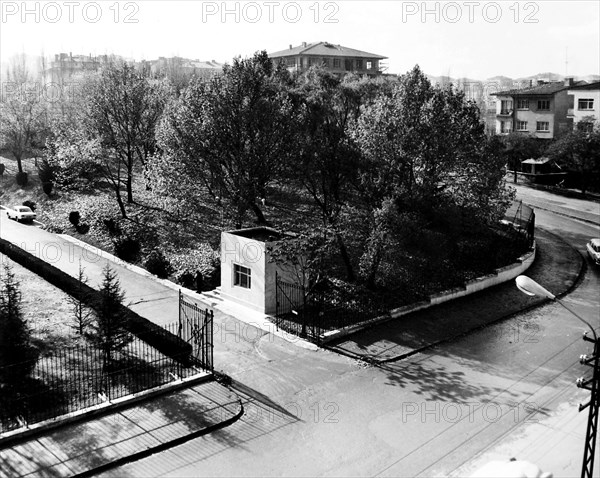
[(498, 393), (311, 413)]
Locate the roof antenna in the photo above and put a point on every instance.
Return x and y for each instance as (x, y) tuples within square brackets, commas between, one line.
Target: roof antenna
[(566, 61)]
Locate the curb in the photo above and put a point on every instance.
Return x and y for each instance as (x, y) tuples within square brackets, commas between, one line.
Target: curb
[(469, 287), (266, 325), (539, 303), (102, 409), (163, 446)]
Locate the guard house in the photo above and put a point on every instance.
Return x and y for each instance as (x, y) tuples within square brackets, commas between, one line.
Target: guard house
[(247, 275)]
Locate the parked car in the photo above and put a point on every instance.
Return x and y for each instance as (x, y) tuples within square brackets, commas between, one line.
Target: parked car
[(20, 213), (593, 250)]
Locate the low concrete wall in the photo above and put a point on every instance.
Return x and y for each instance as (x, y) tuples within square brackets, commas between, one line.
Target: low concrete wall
[(501, 275)]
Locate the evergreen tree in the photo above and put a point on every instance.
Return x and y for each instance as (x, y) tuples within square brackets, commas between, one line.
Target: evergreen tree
[(109, 332), (17, 354)]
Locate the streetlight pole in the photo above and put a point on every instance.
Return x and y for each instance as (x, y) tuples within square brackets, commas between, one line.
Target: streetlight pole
[(530, 287)]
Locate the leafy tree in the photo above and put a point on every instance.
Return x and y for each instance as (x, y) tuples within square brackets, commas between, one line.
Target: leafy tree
[(109, 331), (518, 147), (23, 118), (122, 110), (17, 354), (579, 151), (231, 135)]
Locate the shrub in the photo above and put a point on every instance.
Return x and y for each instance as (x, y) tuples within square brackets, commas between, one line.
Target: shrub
[(22, 179), (2, 168), (74, 218), (111, 226), (29, 204), (83, 228), (46, 172), (47, 188), (127, 248), (158, 264)]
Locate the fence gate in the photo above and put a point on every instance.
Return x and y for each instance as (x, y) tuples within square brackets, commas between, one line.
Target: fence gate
[(296, 312), (196, 328)]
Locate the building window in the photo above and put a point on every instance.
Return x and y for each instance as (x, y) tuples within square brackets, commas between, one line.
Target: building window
[(337, 63), (241, 276), (349, 65), (543, 105), (369, 65), (521, 125), (311, 62), (585, 126), (585, 104), (505, 127), (325, 62), (542, 126), (506, 107), (522, 104), (359, 64)]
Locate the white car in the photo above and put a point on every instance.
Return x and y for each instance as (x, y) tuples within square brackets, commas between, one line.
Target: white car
[(20, 213), (593, 250)]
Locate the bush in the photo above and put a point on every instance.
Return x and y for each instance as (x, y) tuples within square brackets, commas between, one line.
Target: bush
[(83, 228), (74, 218), (29, 204), (111, 226), (47, 188), (158, 264), (22, 179), (46, 172), (127, 248), (2, 168)]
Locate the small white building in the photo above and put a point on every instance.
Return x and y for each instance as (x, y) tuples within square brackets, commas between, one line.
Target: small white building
[(586, 101), (247, 274)]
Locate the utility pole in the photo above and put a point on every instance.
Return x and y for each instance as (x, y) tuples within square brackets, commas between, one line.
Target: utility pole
[(592, 385)]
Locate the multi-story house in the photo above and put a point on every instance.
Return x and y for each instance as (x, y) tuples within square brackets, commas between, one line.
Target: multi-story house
[(586, 101), (335, 58), (539, 110), (67, 67)]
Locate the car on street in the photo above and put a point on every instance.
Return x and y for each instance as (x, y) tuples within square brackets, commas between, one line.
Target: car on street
[(20, 213), (593, 250)]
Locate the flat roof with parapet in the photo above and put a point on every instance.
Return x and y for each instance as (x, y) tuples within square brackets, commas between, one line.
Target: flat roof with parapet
[(262, 234)]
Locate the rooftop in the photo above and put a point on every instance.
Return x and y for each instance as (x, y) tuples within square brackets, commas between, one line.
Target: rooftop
[(325, 49), (262, 234), (589, 86), (544, 89)]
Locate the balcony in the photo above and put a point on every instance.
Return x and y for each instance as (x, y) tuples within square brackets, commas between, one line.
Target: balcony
[(505, 113)]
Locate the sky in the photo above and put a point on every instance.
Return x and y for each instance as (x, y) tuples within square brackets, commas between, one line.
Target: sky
[(473, 39)]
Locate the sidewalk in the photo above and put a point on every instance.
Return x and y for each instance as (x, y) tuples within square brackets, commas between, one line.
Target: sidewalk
[(127, 434), (557, 267)]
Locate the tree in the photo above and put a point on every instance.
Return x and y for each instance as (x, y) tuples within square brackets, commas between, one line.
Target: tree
[(122, 110), (17, 354), (109, 331), (82, 314), (231, 135), (579, 151), (23, 118)]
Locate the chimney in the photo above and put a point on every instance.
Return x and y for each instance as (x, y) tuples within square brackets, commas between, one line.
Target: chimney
[(290, 46), (530, 83), (304, 44), (540, 82), (569, 81)]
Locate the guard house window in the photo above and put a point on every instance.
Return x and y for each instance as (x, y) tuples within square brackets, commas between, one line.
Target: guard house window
[(522, 104), (542, 126), (337, 63), (359, 64), (242, 276), (543, 105), (521, 125), (585, 104)]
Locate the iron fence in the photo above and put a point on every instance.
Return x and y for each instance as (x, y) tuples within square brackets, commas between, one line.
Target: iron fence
[(522, 217), (75, 377)]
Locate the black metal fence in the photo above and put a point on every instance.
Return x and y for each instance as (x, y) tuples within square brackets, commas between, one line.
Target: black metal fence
[(522, 217), (71, 378)]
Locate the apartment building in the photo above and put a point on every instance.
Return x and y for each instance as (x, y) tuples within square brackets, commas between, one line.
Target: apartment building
[(540, 110), (335, 58), (586, 100)]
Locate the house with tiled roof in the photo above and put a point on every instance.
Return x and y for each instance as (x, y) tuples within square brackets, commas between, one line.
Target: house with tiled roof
[(540, 110), (335, 58), (586, 100)]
